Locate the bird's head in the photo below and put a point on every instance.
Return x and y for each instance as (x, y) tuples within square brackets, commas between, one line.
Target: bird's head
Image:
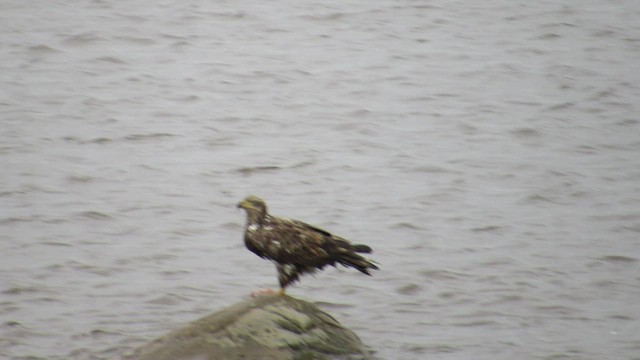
[(253, 205)]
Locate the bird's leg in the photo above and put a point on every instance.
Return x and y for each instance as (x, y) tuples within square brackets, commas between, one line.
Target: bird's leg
[(287, 274)]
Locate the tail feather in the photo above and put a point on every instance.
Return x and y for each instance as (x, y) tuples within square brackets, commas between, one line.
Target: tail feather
[(344, 245), (358, 262), (361, 248), (345, 253)]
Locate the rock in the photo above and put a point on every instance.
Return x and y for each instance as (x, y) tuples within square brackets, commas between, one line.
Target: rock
[(265, 327)]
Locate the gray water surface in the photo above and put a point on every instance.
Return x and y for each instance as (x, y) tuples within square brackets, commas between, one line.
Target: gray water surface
[(488, 151)]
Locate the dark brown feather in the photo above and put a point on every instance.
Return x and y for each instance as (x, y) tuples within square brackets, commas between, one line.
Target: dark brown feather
[(297, 247)]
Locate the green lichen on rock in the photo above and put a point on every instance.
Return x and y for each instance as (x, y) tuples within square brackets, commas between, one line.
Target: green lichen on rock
[(265, 327)]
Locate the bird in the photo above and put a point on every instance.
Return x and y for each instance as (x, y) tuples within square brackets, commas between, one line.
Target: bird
[(297, 248)]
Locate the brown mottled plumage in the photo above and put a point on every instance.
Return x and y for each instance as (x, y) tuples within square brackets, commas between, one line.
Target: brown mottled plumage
[(295, 247)]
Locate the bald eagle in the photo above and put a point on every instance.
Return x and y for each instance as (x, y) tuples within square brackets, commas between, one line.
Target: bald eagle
[(295, 247)]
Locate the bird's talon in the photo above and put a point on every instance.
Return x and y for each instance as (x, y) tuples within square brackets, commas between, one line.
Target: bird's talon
[(262, 292)]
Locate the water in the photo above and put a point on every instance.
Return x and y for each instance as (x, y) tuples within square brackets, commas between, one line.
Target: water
[(488, 152)]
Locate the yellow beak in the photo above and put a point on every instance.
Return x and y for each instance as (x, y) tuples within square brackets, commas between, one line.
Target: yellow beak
[(244, 204)]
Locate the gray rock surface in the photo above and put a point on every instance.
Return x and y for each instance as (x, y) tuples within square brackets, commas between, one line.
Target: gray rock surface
[(265, 327)]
